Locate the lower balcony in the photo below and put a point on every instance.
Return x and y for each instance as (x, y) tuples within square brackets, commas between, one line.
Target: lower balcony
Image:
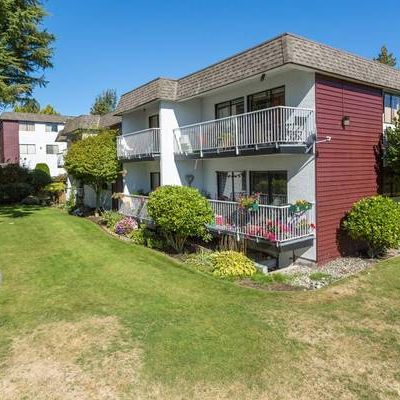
[(279, 226), (272, 130), (139, 145)]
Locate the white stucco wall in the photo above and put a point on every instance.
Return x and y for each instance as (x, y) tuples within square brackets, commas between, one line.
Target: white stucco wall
[(139, 119), (138, 175), (40, 138)]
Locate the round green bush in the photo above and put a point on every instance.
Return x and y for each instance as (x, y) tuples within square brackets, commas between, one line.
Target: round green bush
[(376, 220), (231, 264), (43, 167), (180, 213)]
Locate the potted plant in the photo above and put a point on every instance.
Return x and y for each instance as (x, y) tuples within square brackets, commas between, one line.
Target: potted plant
[(250, 203), (300, 206)]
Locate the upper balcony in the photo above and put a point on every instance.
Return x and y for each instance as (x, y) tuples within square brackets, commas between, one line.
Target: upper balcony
[(139, 145), (271, 130)]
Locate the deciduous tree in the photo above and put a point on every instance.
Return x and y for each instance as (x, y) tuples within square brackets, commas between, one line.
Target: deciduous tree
[(94, 161)]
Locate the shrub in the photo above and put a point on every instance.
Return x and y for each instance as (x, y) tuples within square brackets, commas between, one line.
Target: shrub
[(43, 167), (14, 192), (375, 220), (39, 179), (180, 213), (231, 264), (13, 173), (111, 218), (146, 237), (125, 226), (202, 261)]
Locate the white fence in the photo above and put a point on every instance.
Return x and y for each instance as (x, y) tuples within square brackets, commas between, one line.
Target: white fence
[(271, 126), (275, 224), (139, 144)]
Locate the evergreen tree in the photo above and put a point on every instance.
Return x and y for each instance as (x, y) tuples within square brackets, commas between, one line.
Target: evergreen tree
[(28, 106), (104, 102), (25, 49), (49, 110), (385, 57)]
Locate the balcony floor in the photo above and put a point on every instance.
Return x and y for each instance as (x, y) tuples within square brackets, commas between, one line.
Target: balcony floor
[(248, 151)]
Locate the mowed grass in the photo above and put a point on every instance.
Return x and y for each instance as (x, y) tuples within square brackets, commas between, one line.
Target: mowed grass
[(123, 321)]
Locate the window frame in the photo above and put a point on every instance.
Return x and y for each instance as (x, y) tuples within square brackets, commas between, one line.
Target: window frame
[(269, 93), (152, 185), (393, 113), (270, 175), (52, 146), (27, 153), (26, 123), (156, 117), (233, 191), (230, 104), (51, 125)]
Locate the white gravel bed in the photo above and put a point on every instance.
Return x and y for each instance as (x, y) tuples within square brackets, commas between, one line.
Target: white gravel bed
[(326, 274)]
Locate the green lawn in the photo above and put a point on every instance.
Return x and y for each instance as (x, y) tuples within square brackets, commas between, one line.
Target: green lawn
[(122, 321)]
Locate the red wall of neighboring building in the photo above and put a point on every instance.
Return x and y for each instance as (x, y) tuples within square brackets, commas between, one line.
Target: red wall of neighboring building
[(346, 167), (9, 142)]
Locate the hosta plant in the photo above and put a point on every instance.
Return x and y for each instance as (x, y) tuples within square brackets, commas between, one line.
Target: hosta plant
[(231, 264)]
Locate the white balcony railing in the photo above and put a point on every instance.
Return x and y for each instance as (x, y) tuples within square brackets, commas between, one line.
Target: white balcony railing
[(134, 206), (276, 224), (141, 144), (271, 126)]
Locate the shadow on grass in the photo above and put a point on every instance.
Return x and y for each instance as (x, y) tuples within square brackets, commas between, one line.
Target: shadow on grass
[(18, 211)]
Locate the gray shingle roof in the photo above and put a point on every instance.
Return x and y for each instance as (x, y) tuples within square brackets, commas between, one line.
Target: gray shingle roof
[(160, 88), (284, 49), (87, 123), (31, 117)]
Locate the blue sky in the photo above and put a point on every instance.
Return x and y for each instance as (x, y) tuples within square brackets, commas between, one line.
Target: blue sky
[(121, 44)]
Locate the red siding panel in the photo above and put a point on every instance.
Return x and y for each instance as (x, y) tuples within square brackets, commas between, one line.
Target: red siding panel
[(347, 167), (9, 142)]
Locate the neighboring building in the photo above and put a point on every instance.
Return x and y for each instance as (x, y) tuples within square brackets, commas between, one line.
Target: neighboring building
[(28, 139), (291, 119), (79, 128)]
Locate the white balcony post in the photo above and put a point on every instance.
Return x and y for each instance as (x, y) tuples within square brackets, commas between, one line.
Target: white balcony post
[(201, 140), (236, 136)]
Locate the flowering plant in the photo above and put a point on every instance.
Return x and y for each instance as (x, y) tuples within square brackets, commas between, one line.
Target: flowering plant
[(125, 226), (249, 202), (300, 206)]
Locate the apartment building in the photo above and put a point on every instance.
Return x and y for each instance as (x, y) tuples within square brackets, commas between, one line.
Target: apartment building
[(28, 139), (289, 119)]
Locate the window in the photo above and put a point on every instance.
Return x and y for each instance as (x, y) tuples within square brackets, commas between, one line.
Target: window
[(51, 149), (154, 180), (27, 126), (229, 108), (27, 149), (272, 186), (231, 184), (268, 98), (51, 128), (154, 121), (392, 106)]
